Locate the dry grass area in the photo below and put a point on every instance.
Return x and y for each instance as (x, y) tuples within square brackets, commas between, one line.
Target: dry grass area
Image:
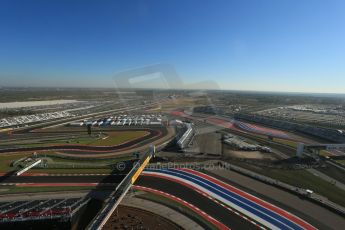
[(106, 139), (115, 138), (228, 152), (7, 159), (179, 102), (294, 144)]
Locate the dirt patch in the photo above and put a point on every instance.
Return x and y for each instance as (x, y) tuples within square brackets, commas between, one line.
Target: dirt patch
[(228, 152), (132, 218), (208, 143)]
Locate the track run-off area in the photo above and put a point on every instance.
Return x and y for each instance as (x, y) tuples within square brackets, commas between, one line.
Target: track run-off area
[(235, 201)]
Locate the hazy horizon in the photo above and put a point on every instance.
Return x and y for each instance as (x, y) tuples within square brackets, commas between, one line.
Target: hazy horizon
[(269, 46), (323, 94)]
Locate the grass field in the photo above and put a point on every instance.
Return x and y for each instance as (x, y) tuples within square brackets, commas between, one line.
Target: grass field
[(294, 145), (56, 159), (73, 171), (107, 139), (290, 143), (341, 161), (6, 159), (14, 189), (333, 172), (52, 159), (302, 179), (116, 138), (178, 103)]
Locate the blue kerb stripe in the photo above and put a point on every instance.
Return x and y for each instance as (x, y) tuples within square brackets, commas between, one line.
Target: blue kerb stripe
[(212, 187), (244, 200), (248, 205)]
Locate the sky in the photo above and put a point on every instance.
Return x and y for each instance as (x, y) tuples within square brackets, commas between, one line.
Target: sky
[(261, 45)]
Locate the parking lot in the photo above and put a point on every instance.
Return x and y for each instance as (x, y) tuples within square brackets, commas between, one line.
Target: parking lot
[(27, 119), (330, 116), (123, 120)]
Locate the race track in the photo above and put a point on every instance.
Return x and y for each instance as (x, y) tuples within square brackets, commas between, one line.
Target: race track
[(258, 210), (154, 134), (225, 203), (236, 125), (228, 218)]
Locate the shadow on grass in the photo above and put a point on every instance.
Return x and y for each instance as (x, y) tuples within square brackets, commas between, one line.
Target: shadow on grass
[(101, 192), (5, 177)]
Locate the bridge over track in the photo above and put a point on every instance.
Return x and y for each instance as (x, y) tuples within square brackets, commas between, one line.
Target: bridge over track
[(118, 194)]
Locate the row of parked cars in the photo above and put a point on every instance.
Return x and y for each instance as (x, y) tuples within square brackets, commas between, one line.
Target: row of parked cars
[(122, 120), (27, 119)]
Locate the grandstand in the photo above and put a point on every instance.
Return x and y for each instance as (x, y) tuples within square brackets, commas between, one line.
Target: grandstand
[(332, 135), (186, 137), (40, 209)]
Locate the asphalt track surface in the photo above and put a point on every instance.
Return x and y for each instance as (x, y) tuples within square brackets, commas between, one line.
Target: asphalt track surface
[(186, 193), (154, 134), (218, 212), (319, 216), (265, 213)]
